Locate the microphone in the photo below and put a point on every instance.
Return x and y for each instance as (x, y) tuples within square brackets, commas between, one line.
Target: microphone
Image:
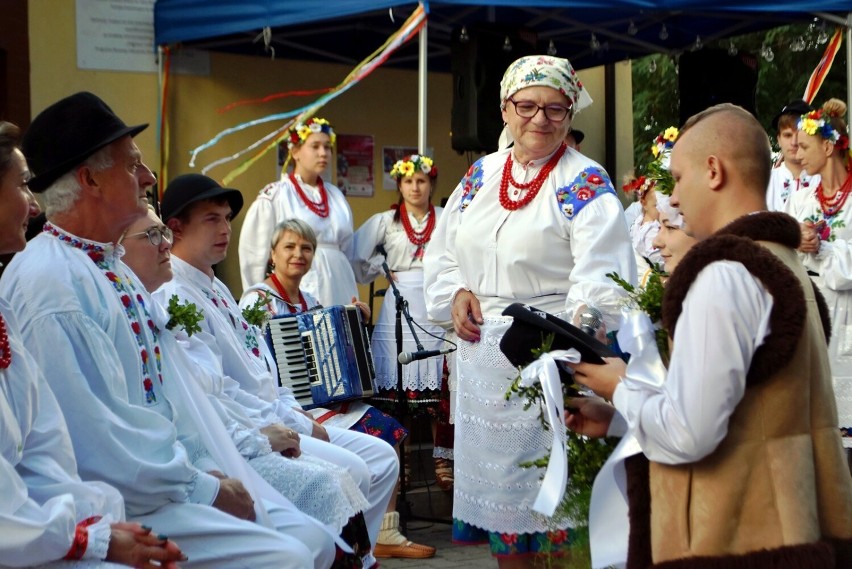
[(380, 249), (408, 357), (590, 320)]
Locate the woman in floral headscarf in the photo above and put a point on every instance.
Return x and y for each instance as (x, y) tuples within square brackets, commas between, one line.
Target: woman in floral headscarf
[(303, 194), (825, 214), (536, 223)]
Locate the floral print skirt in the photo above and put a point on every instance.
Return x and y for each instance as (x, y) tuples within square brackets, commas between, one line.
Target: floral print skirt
[(555, 542)]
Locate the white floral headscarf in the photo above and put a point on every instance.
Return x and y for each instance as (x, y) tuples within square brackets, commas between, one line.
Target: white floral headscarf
[(546, 71)]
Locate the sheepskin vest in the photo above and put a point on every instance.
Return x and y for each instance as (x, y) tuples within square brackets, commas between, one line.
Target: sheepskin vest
[(777, 491)]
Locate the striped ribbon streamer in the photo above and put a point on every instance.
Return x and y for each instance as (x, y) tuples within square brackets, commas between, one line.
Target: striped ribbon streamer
[(823, 67)]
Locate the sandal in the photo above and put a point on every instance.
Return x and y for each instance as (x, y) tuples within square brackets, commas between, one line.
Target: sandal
[(444, 477)]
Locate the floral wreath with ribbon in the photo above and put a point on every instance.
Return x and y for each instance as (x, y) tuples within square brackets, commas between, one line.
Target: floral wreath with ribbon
[(299, 132), (815, 123), (657, 176), (409, 165)]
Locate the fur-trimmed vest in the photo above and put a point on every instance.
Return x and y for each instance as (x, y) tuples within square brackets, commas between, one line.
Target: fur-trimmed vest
[(777, 491)]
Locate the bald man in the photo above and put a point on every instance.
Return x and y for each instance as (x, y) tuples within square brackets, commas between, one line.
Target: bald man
[(746, 467)]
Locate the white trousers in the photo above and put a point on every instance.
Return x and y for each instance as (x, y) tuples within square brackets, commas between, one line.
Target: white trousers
[(372, 463), (214, 539)]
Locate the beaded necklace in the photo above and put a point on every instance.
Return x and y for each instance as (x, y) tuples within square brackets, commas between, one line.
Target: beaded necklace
[(831, 206), (286, 297), (418, 238), (126, 291), (533, 185), (321, 208), (5, 352)]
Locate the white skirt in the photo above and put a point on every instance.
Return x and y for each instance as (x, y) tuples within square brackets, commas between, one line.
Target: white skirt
[(493, 437), (419, 375)]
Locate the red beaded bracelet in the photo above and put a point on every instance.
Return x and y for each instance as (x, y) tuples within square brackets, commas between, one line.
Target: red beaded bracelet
[(81, 538)]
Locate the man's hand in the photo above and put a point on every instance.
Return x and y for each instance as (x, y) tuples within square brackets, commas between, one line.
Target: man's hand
[(234, 499), (588, 416), (600, 378), (467, 316), (134, 545), (283, 439)]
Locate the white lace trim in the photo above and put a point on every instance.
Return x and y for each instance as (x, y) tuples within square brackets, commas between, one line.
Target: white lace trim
[(318, 488), (493, 437)]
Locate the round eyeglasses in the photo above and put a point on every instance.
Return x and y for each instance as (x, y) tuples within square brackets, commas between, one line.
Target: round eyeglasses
[(155, 234), (528, 109)]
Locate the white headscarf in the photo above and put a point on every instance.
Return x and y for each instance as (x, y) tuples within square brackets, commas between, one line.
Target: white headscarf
[(665, 206), (545, 71)]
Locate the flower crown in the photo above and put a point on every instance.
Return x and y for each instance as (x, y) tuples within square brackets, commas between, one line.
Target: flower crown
[(815, 123), (411, 164), (657, 173), (664, 142), (299, 132), (639, 185)]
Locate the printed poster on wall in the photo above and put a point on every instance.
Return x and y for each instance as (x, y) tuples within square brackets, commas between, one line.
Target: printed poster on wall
[(355, 164), (119, 36), (390, 154)]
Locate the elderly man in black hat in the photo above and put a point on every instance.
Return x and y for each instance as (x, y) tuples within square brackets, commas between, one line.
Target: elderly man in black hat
[(787, 176), (86, 319), (575, 138)]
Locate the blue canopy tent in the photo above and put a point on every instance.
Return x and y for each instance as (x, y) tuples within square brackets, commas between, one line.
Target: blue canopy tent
[(588, 32)]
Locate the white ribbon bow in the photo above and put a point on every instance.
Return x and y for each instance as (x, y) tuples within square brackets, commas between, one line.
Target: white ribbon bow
[(545, 371)]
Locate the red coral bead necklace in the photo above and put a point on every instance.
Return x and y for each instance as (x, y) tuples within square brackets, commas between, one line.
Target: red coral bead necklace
[(418, 238), (321, 208), (533, 185), (831, 205)]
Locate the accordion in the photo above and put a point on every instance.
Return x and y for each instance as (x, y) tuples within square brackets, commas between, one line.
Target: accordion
[(323, 355)]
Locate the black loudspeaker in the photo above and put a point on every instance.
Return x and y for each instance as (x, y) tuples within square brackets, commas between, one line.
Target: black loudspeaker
[(712, 76), (480, 56)]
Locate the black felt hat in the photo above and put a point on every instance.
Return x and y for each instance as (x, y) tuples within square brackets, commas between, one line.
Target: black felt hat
[(578, 135), (530, 326), (190, 188), (798, 108), (66, 133)]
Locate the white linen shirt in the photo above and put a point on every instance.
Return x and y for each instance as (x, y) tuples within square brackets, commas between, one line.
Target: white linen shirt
[(73, 320), (537, 254), (381, 229), (249, 377), (42, 497), (725, 318), (330, 279)]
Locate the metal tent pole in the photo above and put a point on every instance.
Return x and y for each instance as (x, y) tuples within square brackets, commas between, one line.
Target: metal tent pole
[(422, 65)]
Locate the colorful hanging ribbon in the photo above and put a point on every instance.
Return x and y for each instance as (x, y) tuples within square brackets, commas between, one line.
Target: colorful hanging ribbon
[(408, 30), (823, 67)]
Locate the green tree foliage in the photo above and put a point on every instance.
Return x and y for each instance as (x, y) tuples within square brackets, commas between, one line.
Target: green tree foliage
[(655, 80)]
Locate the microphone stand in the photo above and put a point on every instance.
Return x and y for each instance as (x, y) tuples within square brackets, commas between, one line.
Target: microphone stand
[(403, 507)]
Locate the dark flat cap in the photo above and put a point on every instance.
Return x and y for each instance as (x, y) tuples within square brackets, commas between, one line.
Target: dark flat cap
[(798, 108), (66, 133), (578, 135), (190, 188)]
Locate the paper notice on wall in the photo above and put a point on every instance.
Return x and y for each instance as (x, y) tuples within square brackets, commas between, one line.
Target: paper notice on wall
[(118, 35)]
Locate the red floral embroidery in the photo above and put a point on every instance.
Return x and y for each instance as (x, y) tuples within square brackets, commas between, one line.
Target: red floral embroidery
[(584, 194), (136, 327), (125, 300)]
